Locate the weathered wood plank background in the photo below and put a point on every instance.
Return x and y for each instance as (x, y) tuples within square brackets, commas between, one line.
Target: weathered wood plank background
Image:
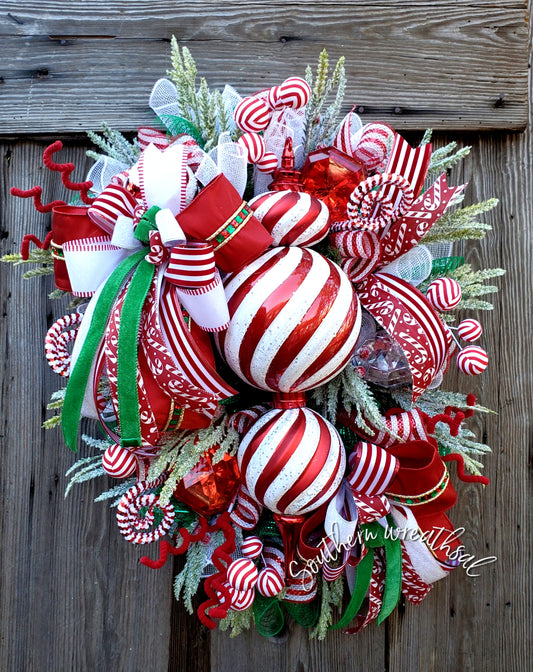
[(73, 596)]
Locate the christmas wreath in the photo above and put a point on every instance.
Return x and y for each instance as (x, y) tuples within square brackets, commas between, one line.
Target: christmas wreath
[(262, 313)]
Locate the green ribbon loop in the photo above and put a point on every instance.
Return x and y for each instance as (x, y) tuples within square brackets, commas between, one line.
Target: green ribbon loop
[(268, 615), (376, 537), (79, 376)]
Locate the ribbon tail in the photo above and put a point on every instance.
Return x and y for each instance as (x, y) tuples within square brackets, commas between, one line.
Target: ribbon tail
[(79, 376), (393, 578), (362, 582), (127, 392)]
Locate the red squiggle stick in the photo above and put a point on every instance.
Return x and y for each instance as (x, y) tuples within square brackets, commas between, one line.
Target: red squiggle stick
[(66, 169), (36, 193), (467, 478), (30, 238), (165, 548)]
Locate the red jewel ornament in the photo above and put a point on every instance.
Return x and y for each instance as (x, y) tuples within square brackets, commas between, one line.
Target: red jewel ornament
[(209, 488), (331, 176), (286, 177)]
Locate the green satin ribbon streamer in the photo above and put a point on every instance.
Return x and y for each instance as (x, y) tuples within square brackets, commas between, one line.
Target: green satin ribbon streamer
[(128, 334), (375, 537), (79, 376)]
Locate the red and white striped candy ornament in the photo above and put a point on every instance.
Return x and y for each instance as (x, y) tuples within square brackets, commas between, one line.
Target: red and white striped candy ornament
[(294, 321), (295, 92), (241, 599), (242, 574), (373, 145), (252, 114), (252, 547), (472, 360), (136, 517), (292, 217), (272, 97), (292, 461), (119, 462), (444, 294), (62, 332), (469, 330), (268, 163), (254, 145), (269, 582)]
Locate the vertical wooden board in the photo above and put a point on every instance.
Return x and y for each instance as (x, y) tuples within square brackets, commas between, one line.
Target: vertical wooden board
[(73, 594), (483, 622)]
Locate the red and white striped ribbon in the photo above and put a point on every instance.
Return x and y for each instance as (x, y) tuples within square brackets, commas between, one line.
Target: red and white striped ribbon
[(114, 201), (146, 136), (191, 265), (246, 512), (360, 252), (372, 469)]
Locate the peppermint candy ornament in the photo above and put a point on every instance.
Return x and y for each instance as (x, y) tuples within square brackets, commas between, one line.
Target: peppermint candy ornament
[(267, 163), (252, 547), (119, 462), (292, 461), (241, 599), (254, 145), (444, 294), (269, 582), (472, 360), (252, 114), (294, 93), (469, 330), (242, 574), (292, 217), (294, 321)]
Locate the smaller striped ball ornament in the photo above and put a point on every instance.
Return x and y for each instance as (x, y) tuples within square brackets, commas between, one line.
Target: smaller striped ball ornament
[(241, 599), (269, 582), (444, 294), (268, 163), (292, 217), (272, 97), (472, 360), (119, 462), (469, 330), (254, 145), (294, 92), (252, 114), (242, 574), (252, 547)]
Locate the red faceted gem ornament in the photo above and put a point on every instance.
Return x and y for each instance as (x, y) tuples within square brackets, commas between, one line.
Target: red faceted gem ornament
[(331, 176), (209, 488)]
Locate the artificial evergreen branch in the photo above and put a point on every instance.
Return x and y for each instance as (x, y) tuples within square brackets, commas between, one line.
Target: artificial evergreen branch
[(117, 491), (237, 621), (442, 159), (331, 597), (36, 256), (188, 580), (461, 224), (115, 145)]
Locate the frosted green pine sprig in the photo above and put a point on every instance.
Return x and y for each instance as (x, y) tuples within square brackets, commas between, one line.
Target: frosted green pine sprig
[(116, 492), (443, 158), (179, 455), (354, 393), (320, 124), (237, 621), (187, 582), (55, 404), (461, 224), (463, 444), (331, 597), (43, 258), (115, 145)]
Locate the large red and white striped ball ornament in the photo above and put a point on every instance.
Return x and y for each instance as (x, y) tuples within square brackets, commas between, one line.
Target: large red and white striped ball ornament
[(292, 217), (444, 294), (472, 360), (242, 574), (254, 145), (252, 547), (469, 330), (295, 319), (252, 114), (119, 462), (270, 583), (294, 92), (292, 461)]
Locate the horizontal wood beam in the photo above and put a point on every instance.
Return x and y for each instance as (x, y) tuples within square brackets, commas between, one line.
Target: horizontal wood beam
[(67, 66)]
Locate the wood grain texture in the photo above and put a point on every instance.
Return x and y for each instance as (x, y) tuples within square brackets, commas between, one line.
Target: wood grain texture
[(68, 66)]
